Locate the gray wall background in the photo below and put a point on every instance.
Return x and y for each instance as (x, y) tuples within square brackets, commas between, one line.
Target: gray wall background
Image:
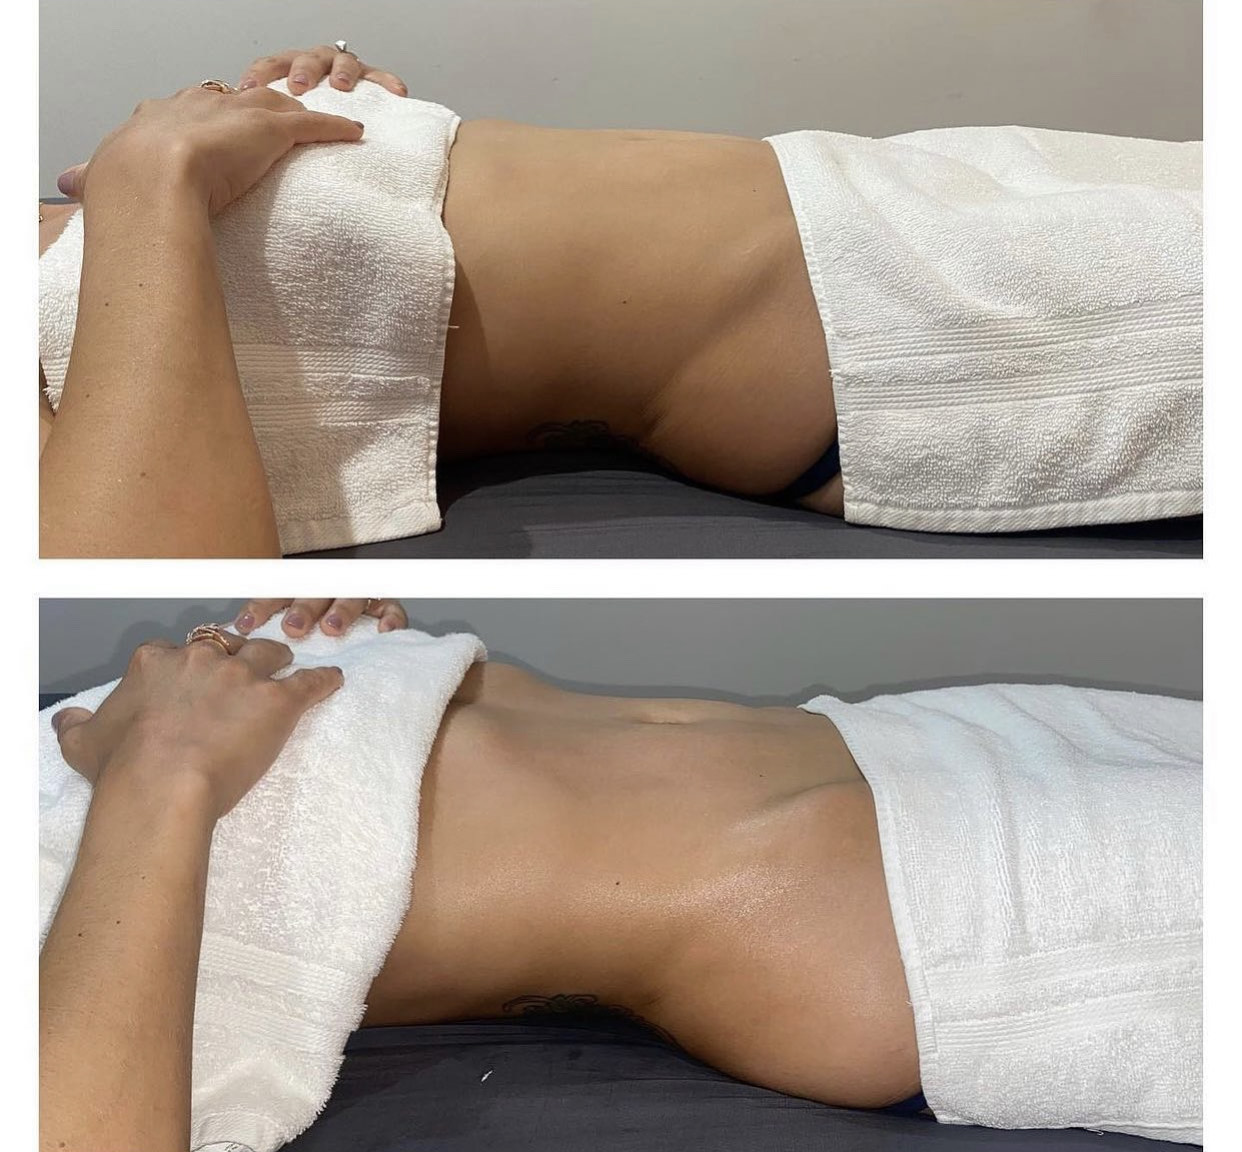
[(751, 67), (766, 650)]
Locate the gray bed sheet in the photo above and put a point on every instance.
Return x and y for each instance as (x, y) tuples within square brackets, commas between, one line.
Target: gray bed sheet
[(603, 507), (548, 1085)]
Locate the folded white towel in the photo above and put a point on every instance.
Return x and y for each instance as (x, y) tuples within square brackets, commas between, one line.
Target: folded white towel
[(1042, 855), (308, 882), (338, 275), (1013, 319)]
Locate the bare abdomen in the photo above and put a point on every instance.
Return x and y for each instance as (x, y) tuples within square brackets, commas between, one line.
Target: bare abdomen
[(795, 982), (710, 867), (649, 282)]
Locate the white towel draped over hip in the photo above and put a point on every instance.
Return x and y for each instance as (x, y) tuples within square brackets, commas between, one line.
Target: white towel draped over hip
[(308, 881), (1013, 319), (1042, 851), (338, 275)]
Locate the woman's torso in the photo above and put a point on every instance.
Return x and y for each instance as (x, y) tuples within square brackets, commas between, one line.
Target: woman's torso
[(711, 867), (642, 288), (652, 282)]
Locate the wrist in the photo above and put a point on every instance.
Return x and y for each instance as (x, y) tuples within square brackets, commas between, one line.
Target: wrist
[(139, 178), (157, 784)]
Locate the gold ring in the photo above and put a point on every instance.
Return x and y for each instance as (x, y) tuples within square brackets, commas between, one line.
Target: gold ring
[(217, 86), (212, 633)]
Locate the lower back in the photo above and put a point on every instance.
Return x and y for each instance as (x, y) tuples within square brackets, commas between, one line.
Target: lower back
[(649, 282), (709, 867)]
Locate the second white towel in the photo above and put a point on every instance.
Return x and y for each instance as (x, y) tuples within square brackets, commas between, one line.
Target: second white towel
[(1014, 322)]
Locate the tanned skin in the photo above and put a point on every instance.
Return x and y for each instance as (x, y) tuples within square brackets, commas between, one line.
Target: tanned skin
[(713, 869), (710, 869), (637, 288)]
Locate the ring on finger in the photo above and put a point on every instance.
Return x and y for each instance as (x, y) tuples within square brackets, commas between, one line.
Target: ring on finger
[(343, 46), (217, 86), (212, 634)]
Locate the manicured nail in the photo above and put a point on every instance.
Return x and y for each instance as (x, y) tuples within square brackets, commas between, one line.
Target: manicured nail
[(245, 622), (64, 182), (246, 84), (295, 621), (333, 622), (300, 78), (342, 77)]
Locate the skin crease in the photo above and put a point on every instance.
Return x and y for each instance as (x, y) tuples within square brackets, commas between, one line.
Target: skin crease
[(653, 281), (711, 867)]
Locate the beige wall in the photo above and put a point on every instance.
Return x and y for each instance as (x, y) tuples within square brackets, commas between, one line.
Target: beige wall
[(754, 67)]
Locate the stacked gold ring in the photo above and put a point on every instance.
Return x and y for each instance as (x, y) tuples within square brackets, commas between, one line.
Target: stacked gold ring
[(217, 85), (213, 633)]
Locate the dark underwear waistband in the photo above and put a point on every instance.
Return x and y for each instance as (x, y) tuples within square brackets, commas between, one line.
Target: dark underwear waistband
[(814, 478), (912, 1107)]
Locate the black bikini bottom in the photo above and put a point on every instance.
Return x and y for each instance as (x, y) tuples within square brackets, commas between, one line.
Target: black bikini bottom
[(814, 478)]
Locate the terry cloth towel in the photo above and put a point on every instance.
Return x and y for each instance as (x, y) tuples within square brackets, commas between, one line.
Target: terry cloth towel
[(1041, 848), (1013, 320), (337, 274), (308, 881)]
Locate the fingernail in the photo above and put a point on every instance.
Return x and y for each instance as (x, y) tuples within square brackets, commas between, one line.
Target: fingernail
[(300, 78), (246, 84), (360, 124), (295, 621), (56, 719), (64, 182), (245, 622), (333, 622), (387, 624), (343, 77)]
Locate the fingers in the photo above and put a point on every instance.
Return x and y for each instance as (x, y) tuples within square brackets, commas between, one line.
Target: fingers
[(217, 644), (258, 612), (322, 128), (307, 69), (346, 71), (71, 180), (267, 68), (341, 616), (64, 721), (310, 685), (388, 80), (71, 736), (390, 614), (334, 617), (303, 615), (265, 657)]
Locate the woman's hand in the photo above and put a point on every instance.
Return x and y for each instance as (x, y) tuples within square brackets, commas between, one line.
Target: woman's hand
[(222, 143), (334, 617), (305, 67), (196, 714)]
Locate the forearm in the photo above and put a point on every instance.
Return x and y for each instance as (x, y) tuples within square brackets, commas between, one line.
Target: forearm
[(152, 452), (117, 972)]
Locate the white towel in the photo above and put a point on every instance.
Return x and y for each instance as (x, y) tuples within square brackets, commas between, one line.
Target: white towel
[(308, 881), (1041, 849), (1013, 320), (338, 277)]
